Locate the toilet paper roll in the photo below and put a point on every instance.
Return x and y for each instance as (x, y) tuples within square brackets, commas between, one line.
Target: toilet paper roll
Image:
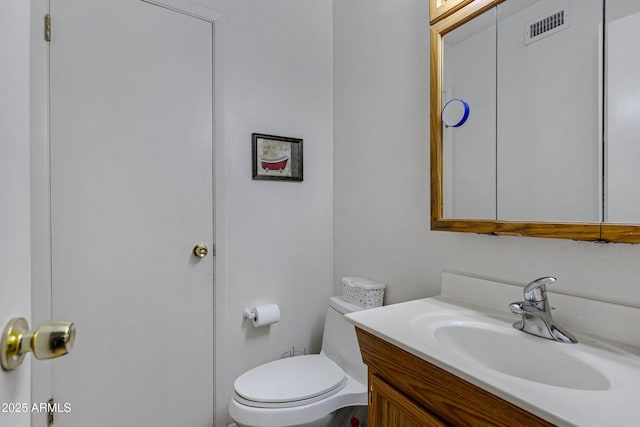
[(266, 315)]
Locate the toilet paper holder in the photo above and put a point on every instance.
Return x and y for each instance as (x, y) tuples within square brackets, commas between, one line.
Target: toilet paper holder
[(248, 314), (262, 315)]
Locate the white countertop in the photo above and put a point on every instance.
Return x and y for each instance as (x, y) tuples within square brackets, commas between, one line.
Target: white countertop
[(613, 401)]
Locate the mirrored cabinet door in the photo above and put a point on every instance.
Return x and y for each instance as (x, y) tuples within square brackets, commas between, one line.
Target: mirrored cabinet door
[(549, 75), (535, 119), (622, 145), (469, 142)]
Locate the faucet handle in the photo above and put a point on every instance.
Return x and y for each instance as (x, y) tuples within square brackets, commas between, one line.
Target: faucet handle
[(536, 291), (516, 308)]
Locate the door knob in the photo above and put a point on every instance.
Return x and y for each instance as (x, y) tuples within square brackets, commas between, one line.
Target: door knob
[(52, 339), (200, 250)]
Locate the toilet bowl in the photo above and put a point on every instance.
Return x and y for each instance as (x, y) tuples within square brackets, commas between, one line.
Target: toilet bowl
[(305, 391)]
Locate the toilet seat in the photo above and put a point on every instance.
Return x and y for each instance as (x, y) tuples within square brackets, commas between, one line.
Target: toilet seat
[(290, 382)]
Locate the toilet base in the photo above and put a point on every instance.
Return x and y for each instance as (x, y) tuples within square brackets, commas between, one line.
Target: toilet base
[(339, 418), (322, 422)]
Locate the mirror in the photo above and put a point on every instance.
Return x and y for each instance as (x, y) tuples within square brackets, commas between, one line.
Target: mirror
[(469, 63), (542, 88), (622, 108), (548, 119)]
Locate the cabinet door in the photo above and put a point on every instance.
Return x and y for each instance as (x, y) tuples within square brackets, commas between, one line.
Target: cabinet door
[(390, 408)]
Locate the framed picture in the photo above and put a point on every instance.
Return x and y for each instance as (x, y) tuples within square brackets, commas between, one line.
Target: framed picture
[(276, 157)]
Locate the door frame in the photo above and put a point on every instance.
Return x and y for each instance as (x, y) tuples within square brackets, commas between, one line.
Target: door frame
[(40, 175)]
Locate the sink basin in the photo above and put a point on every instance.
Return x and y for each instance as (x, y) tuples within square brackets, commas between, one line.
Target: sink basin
[(514, 353)]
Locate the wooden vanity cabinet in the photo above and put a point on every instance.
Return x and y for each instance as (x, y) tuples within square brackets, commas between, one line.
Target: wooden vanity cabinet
[(406, 391), (390, 408)]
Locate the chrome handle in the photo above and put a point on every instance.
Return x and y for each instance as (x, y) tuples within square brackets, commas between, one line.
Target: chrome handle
[(537, 290), (52, 339), (516, 308)]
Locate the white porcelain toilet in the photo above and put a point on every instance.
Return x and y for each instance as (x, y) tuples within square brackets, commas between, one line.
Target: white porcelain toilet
[(305, 390)]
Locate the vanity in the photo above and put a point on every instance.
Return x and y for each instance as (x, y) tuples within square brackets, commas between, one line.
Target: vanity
[(456, 360), (406, 390)]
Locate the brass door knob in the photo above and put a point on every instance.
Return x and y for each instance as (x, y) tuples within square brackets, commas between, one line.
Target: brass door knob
[(200, 250), (52, 339)]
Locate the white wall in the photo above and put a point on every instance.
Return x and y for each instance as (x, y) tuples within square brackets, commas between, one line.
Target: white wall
[(381, 111), (275, 65), (382, 213), (15, 279)]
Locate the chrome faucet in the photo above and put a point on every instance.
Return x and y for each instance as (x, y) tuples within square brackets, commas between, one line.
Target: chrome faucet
[(536, 313)]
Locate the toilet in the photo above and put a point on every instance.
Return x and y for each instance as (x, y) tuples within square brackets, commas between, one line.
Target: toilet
[(305, 391)]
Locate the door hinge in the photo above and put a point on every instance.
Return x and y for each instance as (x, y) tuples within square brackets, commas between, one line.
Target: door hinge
[(50, 406), (47, 27)]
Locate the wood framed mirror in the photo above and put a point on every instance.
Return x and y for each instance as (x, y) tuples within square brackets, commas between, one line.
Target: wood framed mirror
[(590, 221)]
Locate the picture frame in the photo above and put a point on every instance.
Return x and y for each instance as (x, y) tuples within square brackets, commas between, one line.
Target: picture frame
[(276, 158)]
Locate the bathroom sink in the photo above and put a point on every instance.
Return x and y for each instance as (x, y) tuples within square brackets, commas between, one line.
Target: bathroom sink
[(511, 352), (589, 383)]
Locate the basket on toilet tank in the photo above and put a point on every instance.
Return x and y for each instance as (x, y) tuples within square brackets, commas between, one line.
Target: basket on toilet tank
[(363, 292)]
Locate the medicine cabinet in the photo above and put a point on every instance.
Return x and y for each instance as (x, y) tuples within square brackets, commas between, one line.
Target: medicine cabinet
[(535, 117)]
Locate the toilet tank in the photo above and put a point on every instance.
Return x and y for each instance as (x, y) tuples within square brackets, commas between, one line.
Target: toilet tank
[(339, 341)]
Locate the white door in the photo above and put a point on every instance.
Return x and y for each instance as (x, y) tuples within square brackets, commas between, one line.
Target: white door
[(131, 195), (15, 280)]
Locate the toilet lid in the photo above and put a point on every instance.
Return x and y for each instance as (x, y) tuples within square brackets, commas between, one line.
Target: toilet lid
[(291, 379)]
